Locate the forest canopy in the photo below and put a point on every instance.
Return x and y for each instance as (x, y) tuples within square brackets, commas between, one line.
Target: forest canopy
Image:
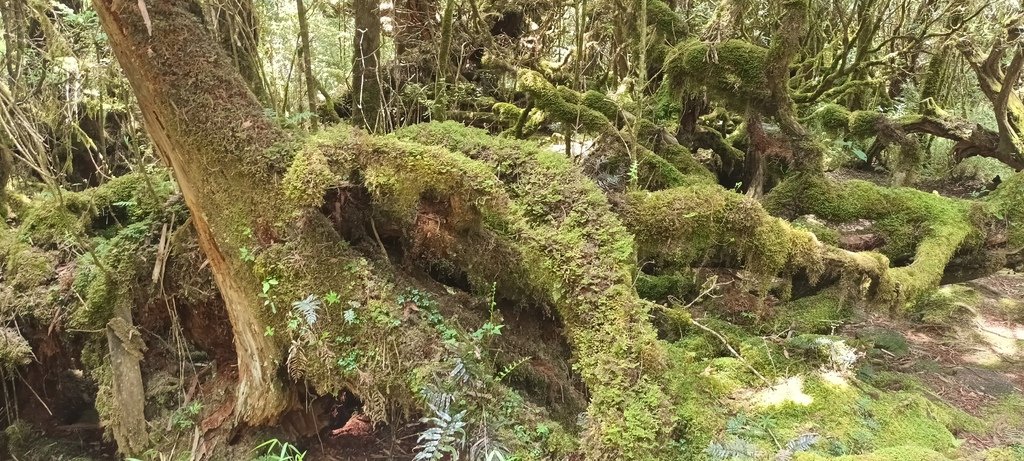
[(512, 230)]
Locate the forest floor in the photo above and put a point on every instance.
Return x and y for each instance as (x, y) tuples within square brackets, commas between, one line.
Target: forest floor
[(972, 362)]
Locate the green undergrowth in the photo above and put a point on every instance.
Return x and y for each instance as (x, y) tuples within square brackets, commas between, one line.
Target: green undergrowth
[(1005, 203)]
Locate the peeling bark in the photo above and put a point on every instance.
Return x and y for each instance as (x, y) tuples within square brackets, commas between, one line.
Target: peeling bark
[(210, 129)]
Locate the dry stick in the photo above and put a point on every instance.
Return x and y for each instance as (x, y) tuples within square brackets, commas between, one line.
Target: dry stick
[(29, 386), (731, 350)]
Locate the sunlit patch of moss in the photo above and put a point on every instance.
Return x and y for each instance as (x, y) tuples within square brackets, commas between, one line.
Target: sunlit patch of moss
[(819, 313), (852, 421), (898, 453)]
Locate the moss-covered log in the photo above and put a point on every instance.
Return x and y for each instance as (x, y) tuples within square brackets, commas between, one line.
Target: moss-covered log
[(577, 254)]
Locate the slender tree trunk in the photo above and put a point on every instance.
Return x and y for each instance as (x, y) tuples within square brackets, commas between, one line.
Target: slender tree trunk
[(307, 62), (210, 129), (444, 71), (239, 34), (366, 91)]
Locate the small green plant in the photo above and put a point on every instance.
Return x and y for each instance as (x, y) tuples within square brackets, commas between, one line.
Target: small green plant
[(491, 327), (185, 417), (276, 450), (246, 254), (268, 284), (349, 362)]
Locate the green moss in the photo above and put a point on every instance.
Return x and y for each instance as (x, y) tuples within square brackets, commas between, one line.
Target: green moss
[(14, 349), (108, 275), (824, 233), (571, 248), (601, 103), (665, 20), (682, 226), (56, 221), (947, 305), (308, 178), (139, 196), (699, 391), (552, 100), (852, 422), (509, 115), (864, 123), (891, 341), (25, 267), (737, 77), (660, 287), (819, 313), (898, 453), (833, 117)]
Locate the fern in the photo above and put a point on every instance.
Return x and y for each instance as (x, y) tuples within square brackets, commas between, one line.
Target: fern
[(308, 308), (440, 439), (508, 369), (734, 448), (801, 443)]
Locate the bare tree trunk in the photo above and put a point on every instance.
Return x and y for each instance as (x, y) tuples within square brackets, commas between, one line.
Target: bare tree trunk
[(210, 129), (238, 31), (444, 71), (366, 92)]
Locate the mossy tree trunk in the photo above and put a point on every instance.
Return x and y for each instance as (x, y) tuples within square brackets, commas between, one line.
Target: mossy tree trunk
[(366, 88), (807, 155), (210, 129)]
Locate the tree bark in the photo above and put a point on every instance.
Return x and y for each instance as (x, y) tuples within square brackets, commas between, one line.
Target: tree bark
[(307, 62), (366, 91), (211, 131), (129, 396), (238, 31)]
